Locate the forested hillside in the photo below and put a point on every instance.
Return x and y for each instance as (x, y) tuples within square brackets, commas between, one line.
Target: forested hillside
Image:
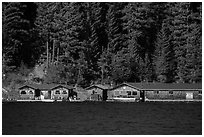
[(84, 43)]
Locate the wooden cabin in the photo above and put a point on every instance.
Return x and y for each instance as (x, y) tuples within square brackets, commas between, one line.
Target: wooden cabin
[(158, 91), (124, 91), (27, 92), (97, 92), (173, 91), (61, 92)]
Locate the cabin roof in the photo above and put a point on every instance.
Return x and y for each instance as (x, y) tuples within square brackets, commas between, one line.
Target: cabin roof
[(44, 86), (60, 85), (163, 86), (98, 86)]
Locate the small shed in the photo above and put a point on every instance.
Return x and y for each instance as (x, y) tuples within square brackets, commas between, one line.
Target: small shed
[(97, 92)]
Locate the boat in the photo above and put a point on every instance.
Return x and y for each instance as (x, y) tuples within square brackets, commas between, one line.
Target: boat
[(123, 99)]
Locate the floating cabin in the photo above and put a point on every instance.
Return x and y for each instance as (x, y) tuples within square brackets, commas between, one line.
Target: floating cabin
[(46, 91), (157, 91), (97, 92)]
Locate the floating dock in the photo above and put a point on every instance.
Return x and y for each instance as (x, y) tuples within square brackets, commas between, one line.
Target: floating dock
[(169, 100), (45, 100)]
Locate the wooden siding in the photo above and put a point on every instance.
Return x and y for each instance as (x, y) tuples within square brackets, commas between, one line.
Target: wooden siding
[(95, 90), (60, 95), (166, 94), (95, 93), (27, 95), (46, 95)]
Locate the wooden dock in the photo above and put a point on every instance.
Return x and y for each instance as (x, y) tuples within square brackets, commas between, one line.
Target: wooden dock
[(169, 100), (45, 100)]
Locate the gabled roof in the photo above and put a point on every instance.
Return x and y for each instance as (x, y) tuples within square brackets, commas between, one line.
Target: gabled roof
[(163, 86), (60, 85), (44, 86), (98, 86)]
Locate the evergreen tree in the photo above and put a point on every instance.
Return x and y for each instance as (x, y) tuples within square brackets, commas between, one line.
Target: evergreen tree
[(120, 65), (86, 42), (89, 33), (180, 11), (140, 33), (105, 63), (13, 32), (82, 68), (185, 29), (194, 48), (164, 57), (112, 28), (114, 43), (19, 36)]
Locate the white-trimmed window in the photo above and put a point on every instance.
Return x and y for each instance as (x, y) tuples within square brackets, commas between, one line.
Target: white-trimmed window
[(134, 93), (57, 92), (123, 93), (200, 92), (116, 93), (171, 92), (128, 92), (64, 92), (30, 92), (23, 92)]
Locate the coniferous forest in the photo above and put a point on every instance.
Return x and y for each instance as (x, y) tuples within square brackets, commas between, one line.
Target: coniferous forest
[(85, 43)]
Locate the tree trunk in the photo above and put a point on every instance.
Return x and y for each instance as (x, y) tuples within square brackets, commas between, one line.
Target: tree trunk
[(102, 73), (53, 53), (47, 55), (57, 54), (50, 58)]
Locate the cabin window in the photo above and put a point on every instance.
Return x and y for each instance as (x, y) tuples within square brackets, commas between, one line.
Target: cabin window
[(134, 93), (64, 92), (116, 93), (23, 92), (156, 92), (30, 92), (57, 92), (129, 92), (123, 92), (171, 92)]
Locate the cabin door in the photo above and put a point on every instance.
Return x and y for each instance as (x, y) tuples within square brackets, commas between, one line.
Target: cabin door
[(49, 94), (142, 96), (189, 95), (104, 95)]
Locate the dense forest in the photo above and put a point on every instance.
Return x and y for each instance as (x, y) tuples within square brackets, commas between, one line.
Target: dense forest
[(110, 43)]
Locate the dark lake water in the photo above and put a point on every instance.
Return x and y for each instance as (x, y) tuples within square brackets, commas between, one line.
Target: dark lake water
[(102, 118)]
